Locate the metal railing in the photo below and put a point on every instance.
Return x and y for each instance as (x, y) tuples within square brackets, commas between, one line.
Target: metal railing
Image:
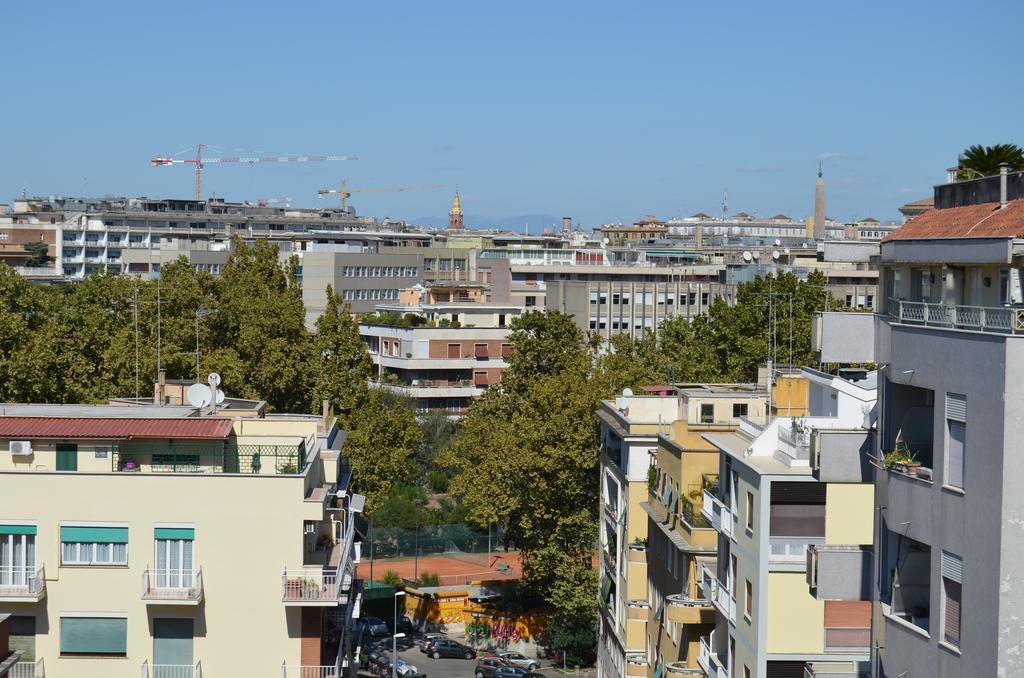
[(848, 640), (717, 513), (795, 444), (709, 661), (171, 670), (717, 593), (791, 549), (23, 581), (169, 585), (683, 600), (308, 671), (227, 458), (308, 586), (997, 319), (28, 670)]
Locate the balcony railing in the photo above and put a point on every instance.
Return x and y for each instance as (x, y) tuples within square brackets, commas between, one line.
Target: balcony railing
[(308, 671), (997, 319), (717, 513), (710, 662), (791, 549), (848, 640), (172, 586), (309, 587), (28, 670), (795, 444), (171, 670), (23, 584), (835, 670), (185, 458), (717, 593)]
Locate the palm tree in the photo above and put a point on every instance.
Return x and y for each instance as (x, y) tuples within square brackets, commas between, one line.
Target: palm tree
[(984, 161)]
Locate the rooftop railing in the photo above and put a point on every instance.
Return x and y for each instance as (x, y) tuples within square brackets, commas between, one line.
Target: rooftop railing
[(995, 319), (28, 670), (227, 458)]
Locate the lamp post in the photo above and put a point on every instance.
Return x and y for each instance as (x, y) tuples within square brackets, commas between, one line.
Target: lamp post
[(395, 637)]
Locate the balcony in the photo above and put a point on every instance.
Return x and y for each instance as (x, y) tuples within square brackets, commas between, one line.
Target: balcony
[(171, 670), (185, 458), (839, 572), (839, 456), (22, 585), (637, 609), (791, 550), (310, 588), (794, 444), (172, 587), (836, 670), (309, 671), (989, 319), (709, 661), (682, 609), (717, 513), (28, 670), (848, 640), (717, 593), (681, 669)]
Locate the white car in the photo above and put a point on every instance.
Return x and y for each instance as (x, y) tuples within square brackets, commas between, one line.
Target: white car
[(521, 660), (404, 668)]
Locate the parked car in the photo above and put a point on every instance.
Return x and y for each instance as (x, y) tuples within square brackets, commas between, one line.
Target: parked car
[(405, 624), (427, 638), (374, 626), (509, 672), (485, 666), (535, 674), (405, 669), (517, 659), (444, 647)]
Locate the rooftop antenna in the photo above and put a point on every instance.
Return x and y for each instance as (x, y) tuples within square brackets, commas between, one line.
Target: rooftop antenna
[(725, 205)]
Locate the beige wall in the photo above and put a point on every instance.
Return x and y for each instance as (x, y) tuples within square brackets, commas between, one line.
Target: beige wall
[(848, 513), (795, 619)]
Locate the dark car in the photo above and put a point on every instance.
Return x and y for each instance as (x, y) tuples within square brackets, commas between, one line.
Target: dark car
[(485, 666), (374, 626), (509, 672), (443, 647), (405, 625), (427, 638)]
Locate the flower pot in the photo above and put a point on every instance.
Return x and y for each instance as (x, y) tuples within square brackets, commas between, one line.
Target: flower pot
[(912, 467)]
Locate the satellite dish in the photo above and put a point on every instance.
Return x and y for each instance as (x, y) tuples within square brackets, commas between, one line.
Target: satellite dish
[(746, 255), (626, 392), (214, 379), (220, 396), (199, 395), (787, 251), (777, 242), (756, 255), (775, 255)]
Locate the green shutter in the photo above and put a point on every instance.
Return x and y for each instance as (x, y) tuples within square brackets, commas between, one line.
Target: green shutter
[(67, 457), (661, 608), (113, 535), (93, 635), (658, 670), (667, 495), (186, 533), (17, 529)]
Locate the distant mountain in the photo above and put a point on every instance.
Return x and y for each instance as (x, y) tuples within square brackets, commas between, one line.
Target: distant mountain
[(515, 223)]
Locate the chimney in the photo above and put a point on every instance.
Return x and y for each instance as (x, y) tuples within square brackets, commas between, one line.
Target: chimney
[(951, 174), (161, 388), (566, 224), (1004, 170), (326, 404)]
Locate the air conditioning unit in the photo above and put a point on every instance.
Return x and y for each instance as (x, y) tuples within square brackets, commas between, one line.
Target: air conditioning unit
[(310, 527), (21, 448)]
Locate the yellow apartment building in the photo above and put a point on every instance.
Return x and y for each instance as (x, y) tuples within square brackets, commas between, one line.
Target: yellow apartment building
[(164, 542)]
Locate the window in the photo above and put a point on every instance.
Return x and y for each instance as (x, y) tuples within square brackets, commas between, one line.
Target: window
[(17, 555), (956, 439), (94, 636), (174, 558), (739, 410), (748, 599), (94, 545), (67, 457), (707, 413), (750, 511), (531, 301), (952, 574)]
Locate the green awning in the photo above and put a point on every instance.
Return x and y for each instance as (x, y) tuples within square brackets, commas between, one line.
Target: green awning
[(112, 535), (666, 496), (187, 533), (17, 529), (622, 516)]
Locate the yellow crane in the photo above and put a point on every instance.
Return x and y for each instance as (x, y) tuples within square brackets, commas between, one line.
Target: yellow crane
[(345, 192)]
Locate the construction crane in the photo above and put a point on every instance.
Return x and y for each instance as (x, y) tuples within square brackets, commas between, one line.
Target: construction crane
[(199, 161), (263, 202), (345, 192)]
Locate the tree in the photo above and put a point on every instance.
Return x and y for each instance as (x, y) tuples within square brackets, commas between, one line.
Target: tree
[(984, 161), (40, 253), (632, 363), (382, 437), (341, 364), (527, 458)]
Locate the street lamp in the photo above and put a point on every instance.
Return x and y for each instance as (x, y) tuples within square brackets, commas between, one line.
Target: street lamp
[(395, 637)]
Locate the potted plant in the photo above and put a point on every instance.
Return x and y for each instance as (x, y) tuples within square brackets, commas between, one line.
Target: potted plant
[(901, 460), (639, 544)]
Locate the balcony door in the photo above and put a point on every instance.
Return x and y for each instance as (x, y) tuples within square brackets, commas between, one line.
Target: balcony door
[(17, 559), (175, 549), (172, 648)]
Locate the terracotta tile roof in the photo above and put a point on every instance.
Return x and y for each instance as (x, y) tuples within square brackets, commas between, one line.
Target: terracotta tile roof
[(972, 221), (118, 428)]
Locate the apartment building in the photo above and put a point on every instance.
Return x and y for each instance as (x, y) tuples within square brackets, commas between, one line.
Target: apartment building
[(681, 542), (167, 542), (793, 512), (948, 337), (629, 437)]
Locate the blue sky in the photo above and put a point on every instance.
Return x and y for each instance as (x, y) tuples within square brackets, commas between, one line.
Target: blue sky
[(600, 110)]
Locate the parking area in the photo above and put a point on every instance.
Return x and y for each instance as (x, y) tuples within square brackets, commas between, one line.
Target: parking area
[(408, 650)]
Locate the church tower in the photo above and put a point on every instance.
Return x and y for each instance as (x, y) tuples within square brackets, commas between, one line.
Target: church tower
[(455, 215), (819, 207)]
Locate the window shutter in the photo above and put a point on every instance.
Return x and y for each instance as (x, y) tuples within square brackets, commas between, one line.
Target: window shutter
[(18, 529), (956, 407), (951, 630), (93, 635), (952, 567), (956, 453), (114, 535)]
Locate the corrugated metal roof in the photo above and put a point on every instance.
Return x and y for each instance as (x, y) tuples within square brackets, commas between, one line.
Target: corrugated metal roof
[(984, 220), (114, 428)]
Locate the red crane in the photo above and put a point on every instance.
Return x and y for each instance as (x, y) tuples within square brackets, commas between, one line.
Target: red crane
[(199, 161)]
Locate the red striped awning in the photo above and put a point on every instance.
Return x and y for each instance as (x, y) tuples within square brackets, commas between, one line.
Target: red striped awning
[(114, 428)]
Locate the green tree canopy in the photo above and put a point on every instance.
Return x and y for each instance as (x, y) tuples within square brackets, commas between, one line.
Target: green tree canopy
[(382, 437), (341, 364), (984, 161)]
